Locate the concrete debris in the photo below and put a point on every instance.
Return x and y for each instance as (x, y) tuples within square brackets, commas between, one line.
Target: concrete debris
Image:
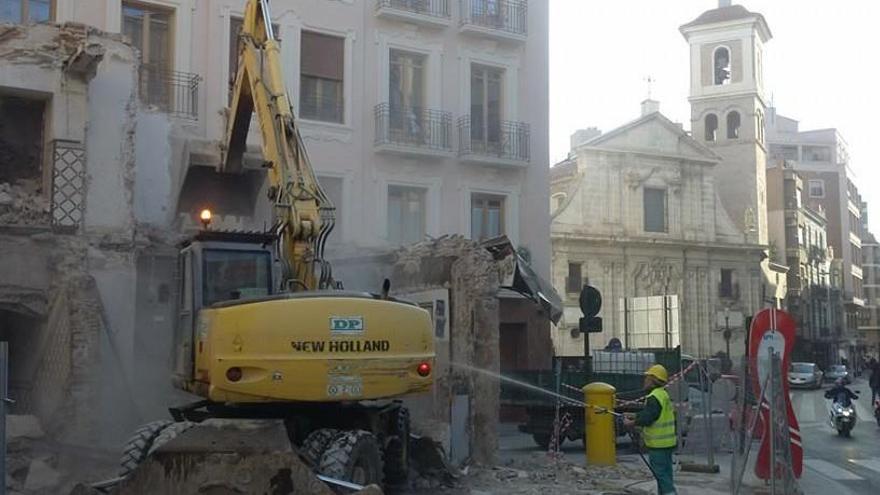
[(22, 204), (41, 476), (23, 426), (371, 490)]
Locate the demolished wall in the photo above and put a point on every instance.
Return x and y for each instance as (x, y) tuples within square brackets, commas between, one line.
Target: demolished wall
[(68, 231), (471, 276)]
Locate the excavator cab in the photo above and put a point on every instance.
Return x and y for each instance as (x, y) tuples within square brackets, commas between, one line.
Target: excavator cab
[(214, 267)]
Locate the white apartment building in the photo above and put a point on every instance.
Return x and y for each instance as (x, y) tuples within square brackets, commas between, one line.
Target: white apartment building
[(422, 117)]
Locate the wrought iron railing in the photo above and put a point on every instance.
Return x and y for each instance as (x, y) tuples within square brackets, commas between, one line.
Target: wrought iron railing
[(434, 8), (171, 91), (323, 108), (505, 15), (502, 139), (413, 126)]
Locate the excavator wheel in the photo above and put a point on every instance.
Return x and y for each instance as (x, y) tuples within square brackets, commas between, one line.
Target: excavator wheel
[(169, 433), (316, 443), (397, 449), (139, 444), (353, 456)]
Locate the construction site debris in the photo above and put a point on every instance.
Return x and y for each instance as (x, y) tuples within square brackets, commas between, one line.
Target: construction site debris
[(23, 426), (22, 204), (41, 476)]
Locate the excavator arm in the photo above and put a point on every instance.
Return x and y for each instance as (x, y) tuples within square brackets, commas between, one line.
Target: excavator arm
[(303, 214)]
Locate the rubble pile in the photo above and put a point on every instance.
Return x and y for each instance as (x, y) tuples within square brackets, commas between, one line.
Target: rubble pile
[(21, 205), (36, 465), (540, 474)]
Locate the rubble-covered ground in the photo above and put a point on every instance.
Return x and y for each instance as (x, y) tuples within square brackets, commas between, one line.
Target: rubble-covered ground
[(38, 465), (541, 474)]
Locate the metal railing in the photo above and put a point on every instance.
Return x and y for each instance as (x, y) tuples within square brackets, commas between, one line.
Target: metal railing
[(504, 15), (323, 108), (434, 8), (502, 139), (171, 91), (413, 126)]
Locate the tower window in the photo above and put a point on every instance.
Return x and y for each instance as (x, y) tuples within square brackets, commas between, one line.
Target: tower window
[(733, 121), (711, 126), (721, 64), (760, 127)]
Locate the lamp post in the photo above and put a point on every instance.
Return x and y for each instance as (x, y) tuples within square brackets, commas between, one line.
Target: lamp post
[(727, 329)]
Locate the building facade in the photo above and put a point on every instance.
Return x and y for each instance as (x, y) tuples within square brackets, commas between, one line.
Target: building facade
[(798, 239), (421, 119), (869, 321), (821, 159), (637, 215)]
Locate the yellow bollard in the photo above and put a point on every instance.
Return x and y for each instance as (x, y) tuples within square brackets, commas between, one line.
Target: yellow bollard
[(599, 428)]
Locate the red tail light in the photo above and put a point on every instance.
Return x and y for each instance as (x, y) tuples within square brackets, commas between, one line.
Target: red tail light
[(233, 374), (424, 369)]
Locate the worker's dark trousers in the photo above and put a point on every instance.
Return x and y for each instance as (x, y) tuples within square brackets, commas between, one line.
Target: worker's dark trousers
[(661, 463)]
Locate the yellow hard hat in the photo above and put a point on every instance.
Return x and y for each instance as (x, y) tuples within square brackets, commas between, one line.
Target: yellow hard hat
[(658, 372)]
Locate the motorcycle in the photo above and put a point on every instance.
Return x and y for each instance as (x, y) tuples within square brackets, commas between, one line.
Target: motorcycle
[(843, 418)]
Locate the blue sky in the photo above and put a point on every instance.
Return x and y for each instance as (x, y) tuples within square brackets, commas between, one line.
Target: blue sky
[(822, 68)]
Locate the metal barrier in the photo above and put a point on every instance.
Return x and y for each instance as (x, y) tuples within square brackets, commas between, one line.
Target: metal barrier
[(434, 8), (504, 15), (502, 139), (413, 127), (173, 92)]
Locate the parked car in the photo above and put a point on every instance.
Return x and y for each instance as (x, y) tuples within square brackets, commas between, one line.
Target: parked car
[(806, 375), (836, 371)]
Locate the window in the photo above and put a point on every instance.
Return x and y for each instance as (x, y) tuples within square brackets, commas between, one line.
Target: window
[(711, 122), (21, 139), (817, 154), (487, 216), (721, 65), (728, 287), (149, 29), (406, 91), (235, 274), (655, 210), (235, 25), (27, 11), (733, 121), (817, 188), (406, 214), (332, 187), (760, 127), (486, 105), (321, 77), (574, 282)]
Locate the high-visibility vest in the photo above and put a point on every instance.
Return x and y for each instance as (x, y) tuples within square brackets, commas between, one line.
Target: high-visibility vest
[(661, 434)]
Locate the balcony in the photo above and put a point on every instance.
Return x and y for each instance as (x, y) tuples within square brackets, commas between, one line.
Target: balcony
[(175, 93), (504, 19), (431, 13), (412, 130), (499, 143)]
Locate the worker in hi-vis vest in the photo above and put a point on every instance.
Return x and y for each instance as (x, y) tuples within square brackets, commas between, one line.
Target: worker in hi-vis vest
[(657, 421)]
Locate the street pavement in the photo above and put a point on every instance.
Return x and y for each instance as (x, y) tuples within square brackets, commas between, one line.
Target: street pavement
[(852, 462), (832, 464)]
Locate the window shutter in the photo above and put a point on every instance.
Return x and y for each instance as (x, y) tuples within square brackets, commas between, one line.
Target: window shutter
[(322, 56)]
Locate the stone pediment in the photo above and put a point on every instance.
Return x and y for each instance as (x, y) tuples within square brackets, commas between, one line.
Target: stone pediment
[(654, 134)]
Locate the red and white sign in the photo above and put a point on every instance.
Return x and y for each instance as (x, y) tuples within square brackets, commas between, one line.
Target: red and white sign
[(773, 329)]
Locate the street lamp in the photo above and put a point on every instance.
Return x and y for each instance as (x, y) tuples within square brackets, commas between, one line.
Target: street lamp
[(727, 329)]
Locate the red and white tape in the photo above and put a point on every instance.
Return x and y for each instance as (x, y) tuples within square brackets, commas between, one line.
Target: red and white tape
[(676, 377)]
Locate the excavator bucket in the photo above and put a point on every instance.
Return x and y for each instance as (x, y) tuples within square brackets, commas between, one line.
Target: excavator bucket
[(220, 457)]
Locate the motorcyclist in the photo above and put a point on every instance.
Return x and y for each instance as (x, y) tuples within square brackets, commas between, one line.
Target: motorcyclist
[(840, 393)]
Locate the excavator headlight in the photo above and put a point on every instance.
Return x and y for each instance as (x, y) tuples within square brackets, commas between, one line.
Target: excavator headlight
[(424, 369), (233, 374), (205, 217)]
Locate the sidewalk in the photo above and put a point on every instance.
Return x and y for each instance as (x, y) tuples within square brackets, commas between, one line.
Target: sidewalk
[(689, 483)]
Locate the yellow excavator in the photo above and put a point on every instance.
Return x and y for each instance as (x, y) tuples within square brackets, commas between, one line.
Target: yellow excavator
[(267, 337)]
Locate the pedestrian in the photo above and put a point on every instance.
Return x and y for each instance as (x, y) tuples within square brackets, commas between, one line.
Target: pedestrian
[(657, 421), (874, 381)]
